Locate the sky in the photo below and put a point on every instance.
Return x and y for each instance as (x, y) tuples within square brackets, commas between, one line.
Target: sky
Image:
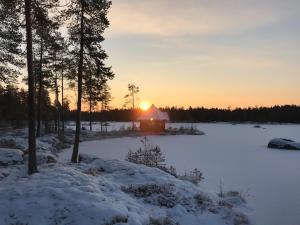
[(211, 53)]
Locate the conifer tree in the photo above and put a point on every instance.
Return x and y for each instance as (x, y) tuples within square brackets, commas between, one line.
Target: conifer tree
[(130, 99), (10, 41), (87, 22), (32, 163), (44, 28)]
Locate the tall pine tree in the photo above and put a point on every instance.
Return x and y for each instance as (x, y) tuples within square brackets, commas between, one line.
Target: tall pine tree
[(87, 22), (32, 164), (10, 41)]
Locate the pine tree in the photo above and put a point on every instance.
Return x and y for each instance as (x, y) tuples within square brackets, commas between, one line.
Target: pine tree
[(95, 87), (10, 41), (32, 163), (44, 28), (130, 99), (87, 22), (10, 35), (105, 100)]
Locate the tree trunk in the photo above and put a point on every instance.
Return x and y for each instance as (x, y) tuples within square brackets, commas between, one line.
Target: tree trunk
[(62, 100), (57, 105), (79, 90), (38, 129), (101, 118), (90, 116), (32, 164), (133, 125)]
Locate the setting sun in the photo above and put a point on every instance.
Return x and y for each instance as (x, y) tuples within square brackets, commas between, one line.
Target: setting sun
[(145, 106)]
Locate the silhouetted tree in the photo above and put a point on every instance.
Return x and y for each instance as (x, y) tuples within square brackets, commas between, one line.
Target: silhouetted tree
[(130, 99), (87, 22), (32, 163), (10, 41)]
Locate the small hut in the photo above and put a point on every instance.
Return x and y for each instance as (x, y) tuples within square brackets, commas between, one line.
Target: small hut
[(153, 120)]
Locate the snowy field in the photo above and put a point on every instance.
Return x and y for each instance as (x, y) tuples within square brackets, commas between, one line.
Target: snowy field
[(236, 156)]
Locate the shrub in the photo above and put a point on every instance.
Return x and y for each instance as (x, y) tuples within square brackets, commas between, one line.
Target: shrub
[(161, 195), (240, 219), (195, 176), (203, 201), (152, 156), (163, 221), (117, 220), (149, 155)]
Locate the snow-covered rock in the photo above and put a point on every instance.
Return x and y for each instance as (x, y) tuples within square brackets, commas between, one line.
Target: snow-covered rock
[(105, 192), (10, 157), (281, 143), (8, 141)]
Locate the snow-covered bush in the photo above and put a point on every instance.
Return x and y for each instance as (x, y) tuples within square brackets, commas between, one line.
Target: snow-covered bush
[(231, 198), (162, 195), (146, 190), (118, 220), (149, 155), (10, 157), (195, 176), (163, 221), (152, 156), (203, 201), (12, 142), (240, 219), (43, 157)]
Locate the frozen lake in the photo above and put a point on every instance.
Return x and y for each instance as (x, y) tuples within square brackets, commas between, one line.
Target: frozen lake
[(234, 154)]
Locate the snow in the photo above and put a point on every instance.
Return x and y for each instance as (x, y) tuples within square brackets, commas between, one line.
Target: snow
[(105, 192), (10, 157), (153, 113), (236, 156)]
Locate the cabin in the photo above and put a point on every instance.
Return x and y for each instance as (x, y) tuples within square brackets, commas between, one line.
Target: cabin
[(153, 120)]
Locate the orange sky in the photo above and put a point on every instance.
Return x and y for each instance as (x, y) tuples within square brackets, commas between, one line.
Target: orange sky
[(215, 54)]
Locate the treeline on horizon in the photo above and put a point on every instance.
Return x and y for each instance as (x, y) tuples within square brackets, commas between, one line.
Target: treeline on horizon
[(276, 114), (13, 112)]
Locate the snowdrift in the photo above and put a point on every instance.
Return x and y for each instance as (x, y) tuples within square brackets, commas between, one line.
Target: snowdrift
[(106, 192)]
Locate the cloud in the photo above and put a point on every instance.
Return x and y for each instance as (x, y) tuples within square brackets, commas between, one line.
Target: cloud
[(189, 17)]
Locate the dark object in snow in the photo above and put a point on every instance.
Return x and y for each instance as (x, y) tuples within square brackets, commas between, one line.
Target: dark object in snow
[(257, 126), (282, 143)]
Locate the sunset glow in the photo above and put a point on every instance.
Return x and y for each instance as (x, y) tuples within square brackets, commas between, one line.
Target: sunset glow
[(145, 106), (218, 53)]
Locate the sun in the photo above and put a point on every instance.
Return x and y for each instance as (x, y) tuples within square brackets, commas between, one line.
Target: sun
[(145, 106)]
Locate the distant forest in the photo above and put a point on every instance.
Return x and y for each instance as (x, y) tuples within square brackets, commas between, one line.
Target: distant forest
[(13, 111), (276, 114)]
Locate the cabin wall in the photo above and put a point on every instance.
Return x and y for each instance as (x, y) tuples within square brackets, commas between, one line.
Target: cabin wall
[(155, 126)]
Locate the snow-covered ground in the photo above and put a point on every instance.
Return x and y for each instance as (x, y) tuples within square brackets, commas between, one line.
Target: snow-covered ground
[(107, 192), (234, 155)]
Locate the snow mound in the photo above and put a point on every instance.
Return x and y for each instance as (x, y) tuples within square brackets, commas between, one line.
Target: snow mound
[(281, 143), (47, 143), (106, 192), (10, 157)]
